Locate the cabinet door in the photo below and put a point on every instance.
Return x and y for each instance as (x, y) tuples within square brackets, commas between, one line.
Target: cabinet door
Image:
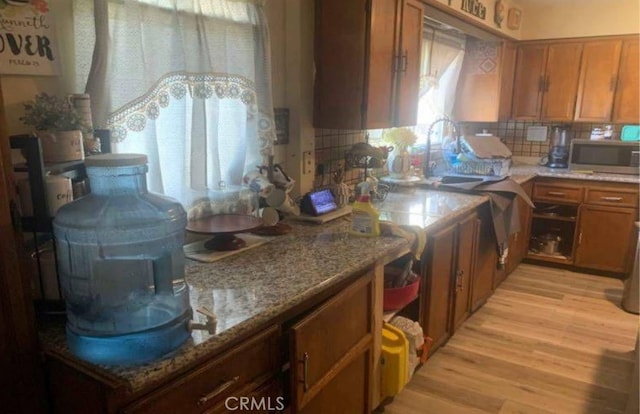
[(605, 238), (486, 260), (437, 289), (485, 96), (598, 72), (466, 255), (528, 83), (519, 242), (382, 62), (561, 81), (331, 353), (409, 68), (626, 107), (340, 53)]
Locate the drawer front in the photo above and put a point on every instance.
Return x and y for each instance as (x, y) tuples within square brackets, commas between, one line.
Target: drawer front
[(327, 340), (238, 370), (612, 197), (557, 193)]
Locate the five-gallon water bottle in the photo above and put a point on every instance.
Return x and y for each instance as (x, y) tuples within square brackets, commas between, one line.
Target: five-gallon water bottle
[(121, 266)]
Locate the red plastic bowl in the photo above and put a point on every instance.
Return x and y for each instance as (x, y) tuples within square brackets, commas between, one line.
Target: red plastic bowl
[(397, 298)]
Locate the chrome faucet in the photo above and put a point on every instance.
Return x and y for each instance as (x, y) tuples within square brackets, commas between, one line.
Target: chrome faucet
[(455, 130)]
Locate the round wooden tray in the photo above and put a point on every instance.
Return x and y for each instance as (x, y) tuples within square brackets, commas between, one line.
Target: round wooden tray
[(223, 226)]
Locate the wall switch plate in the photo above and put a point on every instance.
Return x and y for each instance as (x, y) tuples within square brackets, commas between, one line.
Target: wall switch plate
[(537, 133), (307, 163)]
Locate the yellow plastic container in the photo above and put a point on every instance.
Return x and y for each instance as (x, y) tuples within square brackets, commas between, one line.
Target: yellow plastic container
[(395, 361), (364, 217)]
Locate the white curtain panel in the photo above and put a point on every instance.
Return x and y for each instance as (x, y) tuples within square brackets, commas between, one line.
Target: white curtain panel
[(186, 82)]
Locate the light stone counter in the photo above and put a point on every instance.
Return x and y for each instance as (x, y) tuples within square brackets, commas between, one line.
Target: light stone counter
[(426, 208), (565, 173), (248, 290)]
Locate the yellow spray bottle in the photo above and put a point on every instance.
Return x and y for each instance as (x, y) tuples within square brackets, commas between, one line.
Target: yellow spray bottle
[(364, 216)]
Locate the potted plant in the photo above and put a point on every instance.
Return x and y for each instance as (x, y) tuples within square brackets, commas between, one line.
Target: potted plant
[(59, 127)]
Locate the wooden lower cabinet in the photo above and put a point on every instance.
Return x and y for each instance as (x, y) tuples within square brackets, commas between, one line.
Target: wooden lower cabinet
[(330, 353), (595, 221), (236, 373), (436, 291), (449, 273), (519, 241), (606, 238), (482, 282), (332, 346), (466, 256)]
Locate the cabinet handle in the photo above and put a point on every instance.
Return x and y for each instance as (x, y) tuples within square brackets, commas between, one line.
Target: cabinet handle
[(404, 61), (541, 84), (611, 198), (396, 63), (580, 238), (305, 371), (556, 193), (459, 274), (213, 394), (547, 83)]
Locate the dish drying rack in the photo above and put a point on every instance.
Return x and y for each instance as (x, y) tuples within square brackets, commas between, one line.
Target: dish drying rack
[(484, 167), (483, 156)]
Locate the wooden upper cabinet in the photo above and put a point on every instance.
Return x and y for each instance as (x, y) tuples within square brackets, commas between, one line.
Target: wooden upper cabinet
[(626, 104), (381, 65), (367, 59), (484, 92), (546, 81), (598, 78), (408, 74), (528, 80), (561, 81)]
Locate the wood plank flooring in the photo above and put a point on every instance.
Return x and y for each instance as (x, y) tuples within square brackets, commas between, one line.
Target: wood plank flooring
[(547, 341)]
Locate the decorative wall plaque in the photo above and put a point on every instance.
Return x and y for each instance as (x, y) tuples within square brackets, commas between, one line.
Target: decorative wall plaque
[(28, 45), (474, 7), (498, 16), (514, 18)]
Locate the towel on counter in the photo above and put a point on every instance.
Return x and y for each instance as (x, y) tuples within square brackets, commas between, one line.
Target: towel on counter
[(504, 212)]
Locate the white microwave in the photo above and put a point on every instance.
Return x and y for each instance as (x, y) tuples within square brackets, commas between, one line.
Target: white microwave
[(620, 157)]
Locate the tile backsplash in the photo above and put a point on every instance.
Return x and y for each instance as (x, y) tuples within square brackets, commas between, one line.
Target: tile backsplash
[(331, 144), (513, 134)]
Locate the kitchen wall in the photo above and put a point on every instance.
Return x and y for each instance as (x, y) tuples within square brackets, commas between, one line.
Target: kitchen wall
[(513, 134), (454, 7), (550, 19)]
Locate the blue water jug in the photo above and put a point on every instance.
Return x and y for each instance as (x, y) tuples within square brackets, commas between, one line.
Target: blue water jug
[(121, 266)]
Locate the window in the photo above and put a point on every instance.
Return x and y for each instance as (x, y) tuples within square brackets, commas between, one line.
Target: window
[(187, 83), (442, 56)]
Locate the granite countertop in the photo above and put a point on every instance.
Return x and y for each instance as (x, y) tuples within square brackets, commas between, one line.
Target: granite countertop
[(250, 289), (523, 170), (247, 290), (426, 208)]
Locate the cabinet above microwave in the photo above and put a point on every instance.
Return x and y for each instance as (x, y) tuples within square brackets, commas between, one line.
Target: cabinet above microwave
[(605, 156)]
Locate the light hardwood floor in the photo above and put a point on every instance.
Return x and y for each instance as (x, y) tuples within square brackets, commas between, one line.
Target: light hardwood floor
[(547, 341)]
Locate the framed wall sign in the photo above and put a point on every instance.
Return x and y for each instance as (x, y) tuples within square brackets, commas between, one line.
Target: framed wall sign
[(28, 44), (514, 18)]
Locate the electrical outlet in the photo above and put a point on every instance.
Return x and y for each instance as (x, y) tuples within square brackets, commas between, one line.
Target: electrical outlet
[(307, 163)]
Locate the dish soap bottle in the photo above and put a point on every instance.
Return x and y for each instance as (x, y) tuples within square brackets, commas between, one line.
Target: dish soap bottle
[(364, 216)]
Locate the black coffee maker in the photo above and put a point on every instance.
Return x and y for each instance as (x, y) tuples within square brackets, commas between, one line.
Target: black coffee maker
[(559, 152)]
